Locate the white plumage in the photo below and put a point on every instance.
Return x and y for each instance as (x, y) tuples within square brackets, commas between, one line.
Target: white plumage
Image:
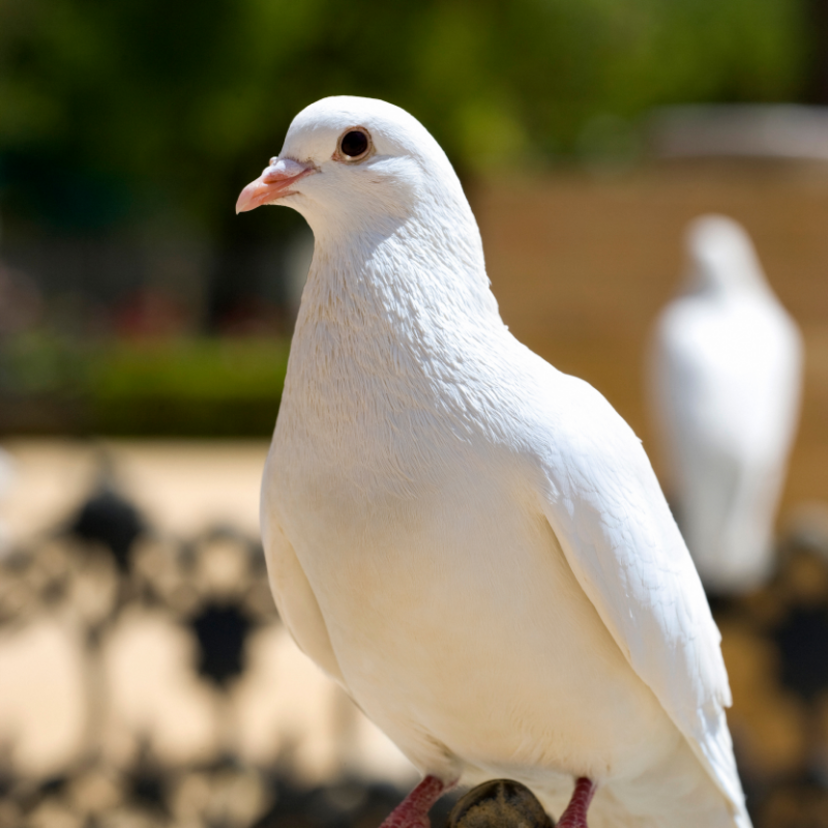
[(726, 375), (471, 543)]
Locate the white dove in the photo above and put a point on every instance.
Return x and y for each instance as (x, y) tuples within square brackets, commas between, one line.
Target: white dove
[(726, 377), (471, 543)]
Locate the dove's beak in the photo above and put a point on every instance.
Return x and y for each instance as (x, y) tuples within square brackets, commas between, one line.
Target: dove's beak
[(272, 184)]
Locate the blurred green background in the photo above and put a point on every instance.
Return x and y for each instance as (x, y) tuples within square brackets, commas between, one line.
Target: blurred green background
[(127, 130)]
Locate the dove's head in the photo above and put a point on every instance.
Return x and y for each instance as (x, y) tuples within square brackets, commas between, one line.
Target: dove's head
[(721, 254), (349, 163)]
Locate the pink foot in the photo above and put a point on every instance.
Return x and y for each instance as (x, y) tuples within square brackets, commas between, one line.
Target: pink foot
[(575, 814), (412, 812)]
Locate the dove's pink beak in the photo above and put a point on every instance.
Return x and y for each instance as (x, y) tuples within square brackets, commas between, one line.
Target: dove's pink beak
[(272, 184)]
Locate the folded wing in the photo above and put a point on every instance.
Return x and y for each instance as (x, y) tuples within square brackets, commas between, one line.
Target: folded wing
[(603, 502)]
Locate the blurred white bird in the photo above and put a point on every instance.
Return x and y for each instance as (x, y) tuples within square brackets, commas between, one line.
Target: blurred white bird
[(471, 543), (726, 376)]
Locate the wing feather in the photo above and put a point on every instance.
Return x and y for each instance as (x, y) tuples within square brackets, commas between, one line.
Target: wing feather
[(604, 503)]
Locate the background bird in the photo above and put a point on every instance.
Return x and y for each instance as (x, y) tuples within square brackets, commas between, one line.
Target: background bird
[(726, 377), (471, 543)]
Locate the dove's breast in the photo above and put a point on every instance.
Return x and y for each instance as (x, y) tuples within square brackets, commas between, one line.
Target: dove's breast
[(456, 621)]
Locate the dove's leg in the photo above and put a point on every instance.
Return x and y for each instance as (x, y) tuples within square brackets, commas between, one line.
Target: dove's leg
[(412, 812), (575, 814)]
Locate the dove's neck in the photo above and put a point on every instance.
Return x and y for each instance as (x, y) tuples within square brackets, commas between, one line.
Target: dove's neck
[(736, 275), (394, 302), (386, 355)]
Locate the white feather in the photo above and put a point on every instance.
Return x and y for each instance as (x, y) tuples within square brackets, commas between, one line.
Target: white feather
[(472, 543), (726, 375)]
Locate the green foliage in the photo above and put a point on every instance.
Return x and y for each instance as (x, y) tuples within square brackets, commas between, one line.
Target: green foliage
[(193, 387), (183, 102), (205, 387)]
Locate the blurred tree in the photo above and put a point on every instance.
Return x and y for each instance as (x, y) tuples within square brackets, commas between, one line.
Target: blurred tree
[(145, 108), (818, 24)]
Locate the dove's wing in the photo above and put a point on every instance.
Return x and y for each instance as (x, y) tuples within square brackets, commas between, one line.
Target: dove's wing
[(297, 605), (605, 506)]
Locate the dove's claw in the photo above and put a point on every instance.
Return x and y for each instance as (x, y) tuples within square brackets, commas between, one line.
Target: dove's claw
[(575, 814), (412, 812)]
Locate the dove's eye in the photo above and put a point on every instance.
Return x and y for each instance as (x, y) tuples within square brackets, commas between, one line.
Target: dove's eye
[(355, 144)]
